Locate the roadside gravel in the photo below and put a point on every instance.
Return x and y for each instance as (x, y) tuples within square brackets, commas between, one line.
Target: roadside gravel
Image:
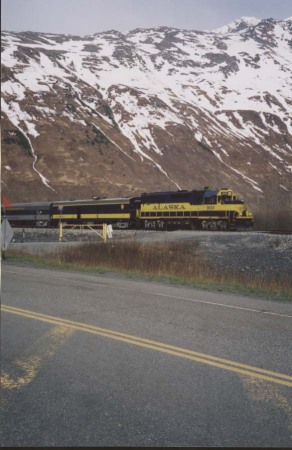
[(241, 252)]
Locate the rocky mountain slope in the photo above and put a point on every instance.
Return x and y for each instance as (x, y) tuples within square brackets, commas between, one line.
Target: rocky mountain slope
[(116, 114)]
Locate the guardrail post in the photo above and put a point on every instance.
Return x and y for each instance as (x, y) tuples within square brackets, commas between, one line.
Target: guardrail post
[(60, 231), (104, 232)]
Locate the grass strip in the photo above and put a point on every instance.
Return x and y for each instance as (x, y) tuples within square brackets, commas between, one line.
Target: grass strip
[(176, 263)]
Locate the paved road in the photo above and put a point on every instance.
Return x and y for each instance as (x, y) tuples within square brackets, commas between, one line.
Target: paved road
[(91, 360)]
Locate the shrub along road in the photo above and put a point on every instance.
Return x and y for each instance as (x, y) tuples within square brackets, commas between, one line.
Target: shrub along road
[(91, 360)]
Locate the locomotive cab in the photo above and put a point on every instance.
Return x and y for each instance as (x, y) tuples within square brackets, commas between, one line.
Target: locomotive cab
[(240, 215), (225, 196)]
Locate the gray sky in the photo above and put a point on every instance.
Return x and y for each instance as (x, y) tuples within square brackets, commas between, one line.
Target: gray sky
[(82, 17)]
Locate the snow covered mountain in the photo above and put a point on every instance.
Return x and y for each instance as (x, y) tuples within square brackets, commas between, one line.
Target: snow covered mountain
[(153, 109)]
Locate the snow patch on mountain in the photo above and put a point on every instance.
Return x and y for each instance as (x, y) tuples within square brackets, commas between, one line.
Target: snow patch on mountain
[(230, 88)]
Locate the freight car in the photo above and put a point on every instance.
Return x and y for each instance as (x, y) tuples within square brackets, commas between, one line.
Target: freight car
[(197, 209)]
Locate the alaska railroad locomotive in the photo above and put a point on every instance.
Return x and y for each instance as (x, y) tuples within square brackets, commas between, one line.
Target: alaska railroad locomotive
[(206, 209)]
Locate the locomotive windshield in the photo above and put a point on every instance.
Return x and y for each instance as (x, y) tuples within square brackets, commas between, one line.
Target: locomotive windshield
[(210, 197), (229, 198)]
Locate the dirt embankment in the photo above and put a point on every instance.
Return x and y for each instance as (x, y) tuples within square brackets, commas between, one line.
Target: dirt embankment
[(244, 252)]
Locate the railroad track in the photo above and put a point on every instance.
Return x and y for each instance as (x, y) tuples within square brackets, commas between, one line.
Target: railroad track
[(275, 231)]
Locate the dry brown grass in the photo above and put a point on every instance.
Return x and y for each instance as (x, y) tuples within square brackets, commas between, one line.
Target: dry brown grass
[(177, 261)]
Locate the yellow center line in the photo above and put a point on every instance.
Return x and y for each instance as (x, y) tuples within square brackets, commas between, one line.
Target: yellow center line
[(158, 346)]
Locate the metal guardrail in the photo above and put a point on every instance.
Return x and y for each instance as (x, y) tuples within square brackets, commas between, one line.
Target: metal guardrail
[(107, 231)]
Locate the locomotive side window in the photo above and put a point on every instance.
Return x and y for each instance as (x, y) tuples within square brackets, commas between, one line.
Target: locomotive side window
[(210, 200)]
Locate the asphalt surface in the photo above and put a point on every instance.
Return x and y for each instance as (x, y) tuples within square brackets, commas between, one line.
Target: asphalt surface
[(101, 360)]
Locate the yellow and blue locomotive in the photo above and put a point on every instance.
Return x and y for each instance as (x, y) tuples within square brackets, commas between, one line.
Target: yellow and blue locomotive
[(207, 209)]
